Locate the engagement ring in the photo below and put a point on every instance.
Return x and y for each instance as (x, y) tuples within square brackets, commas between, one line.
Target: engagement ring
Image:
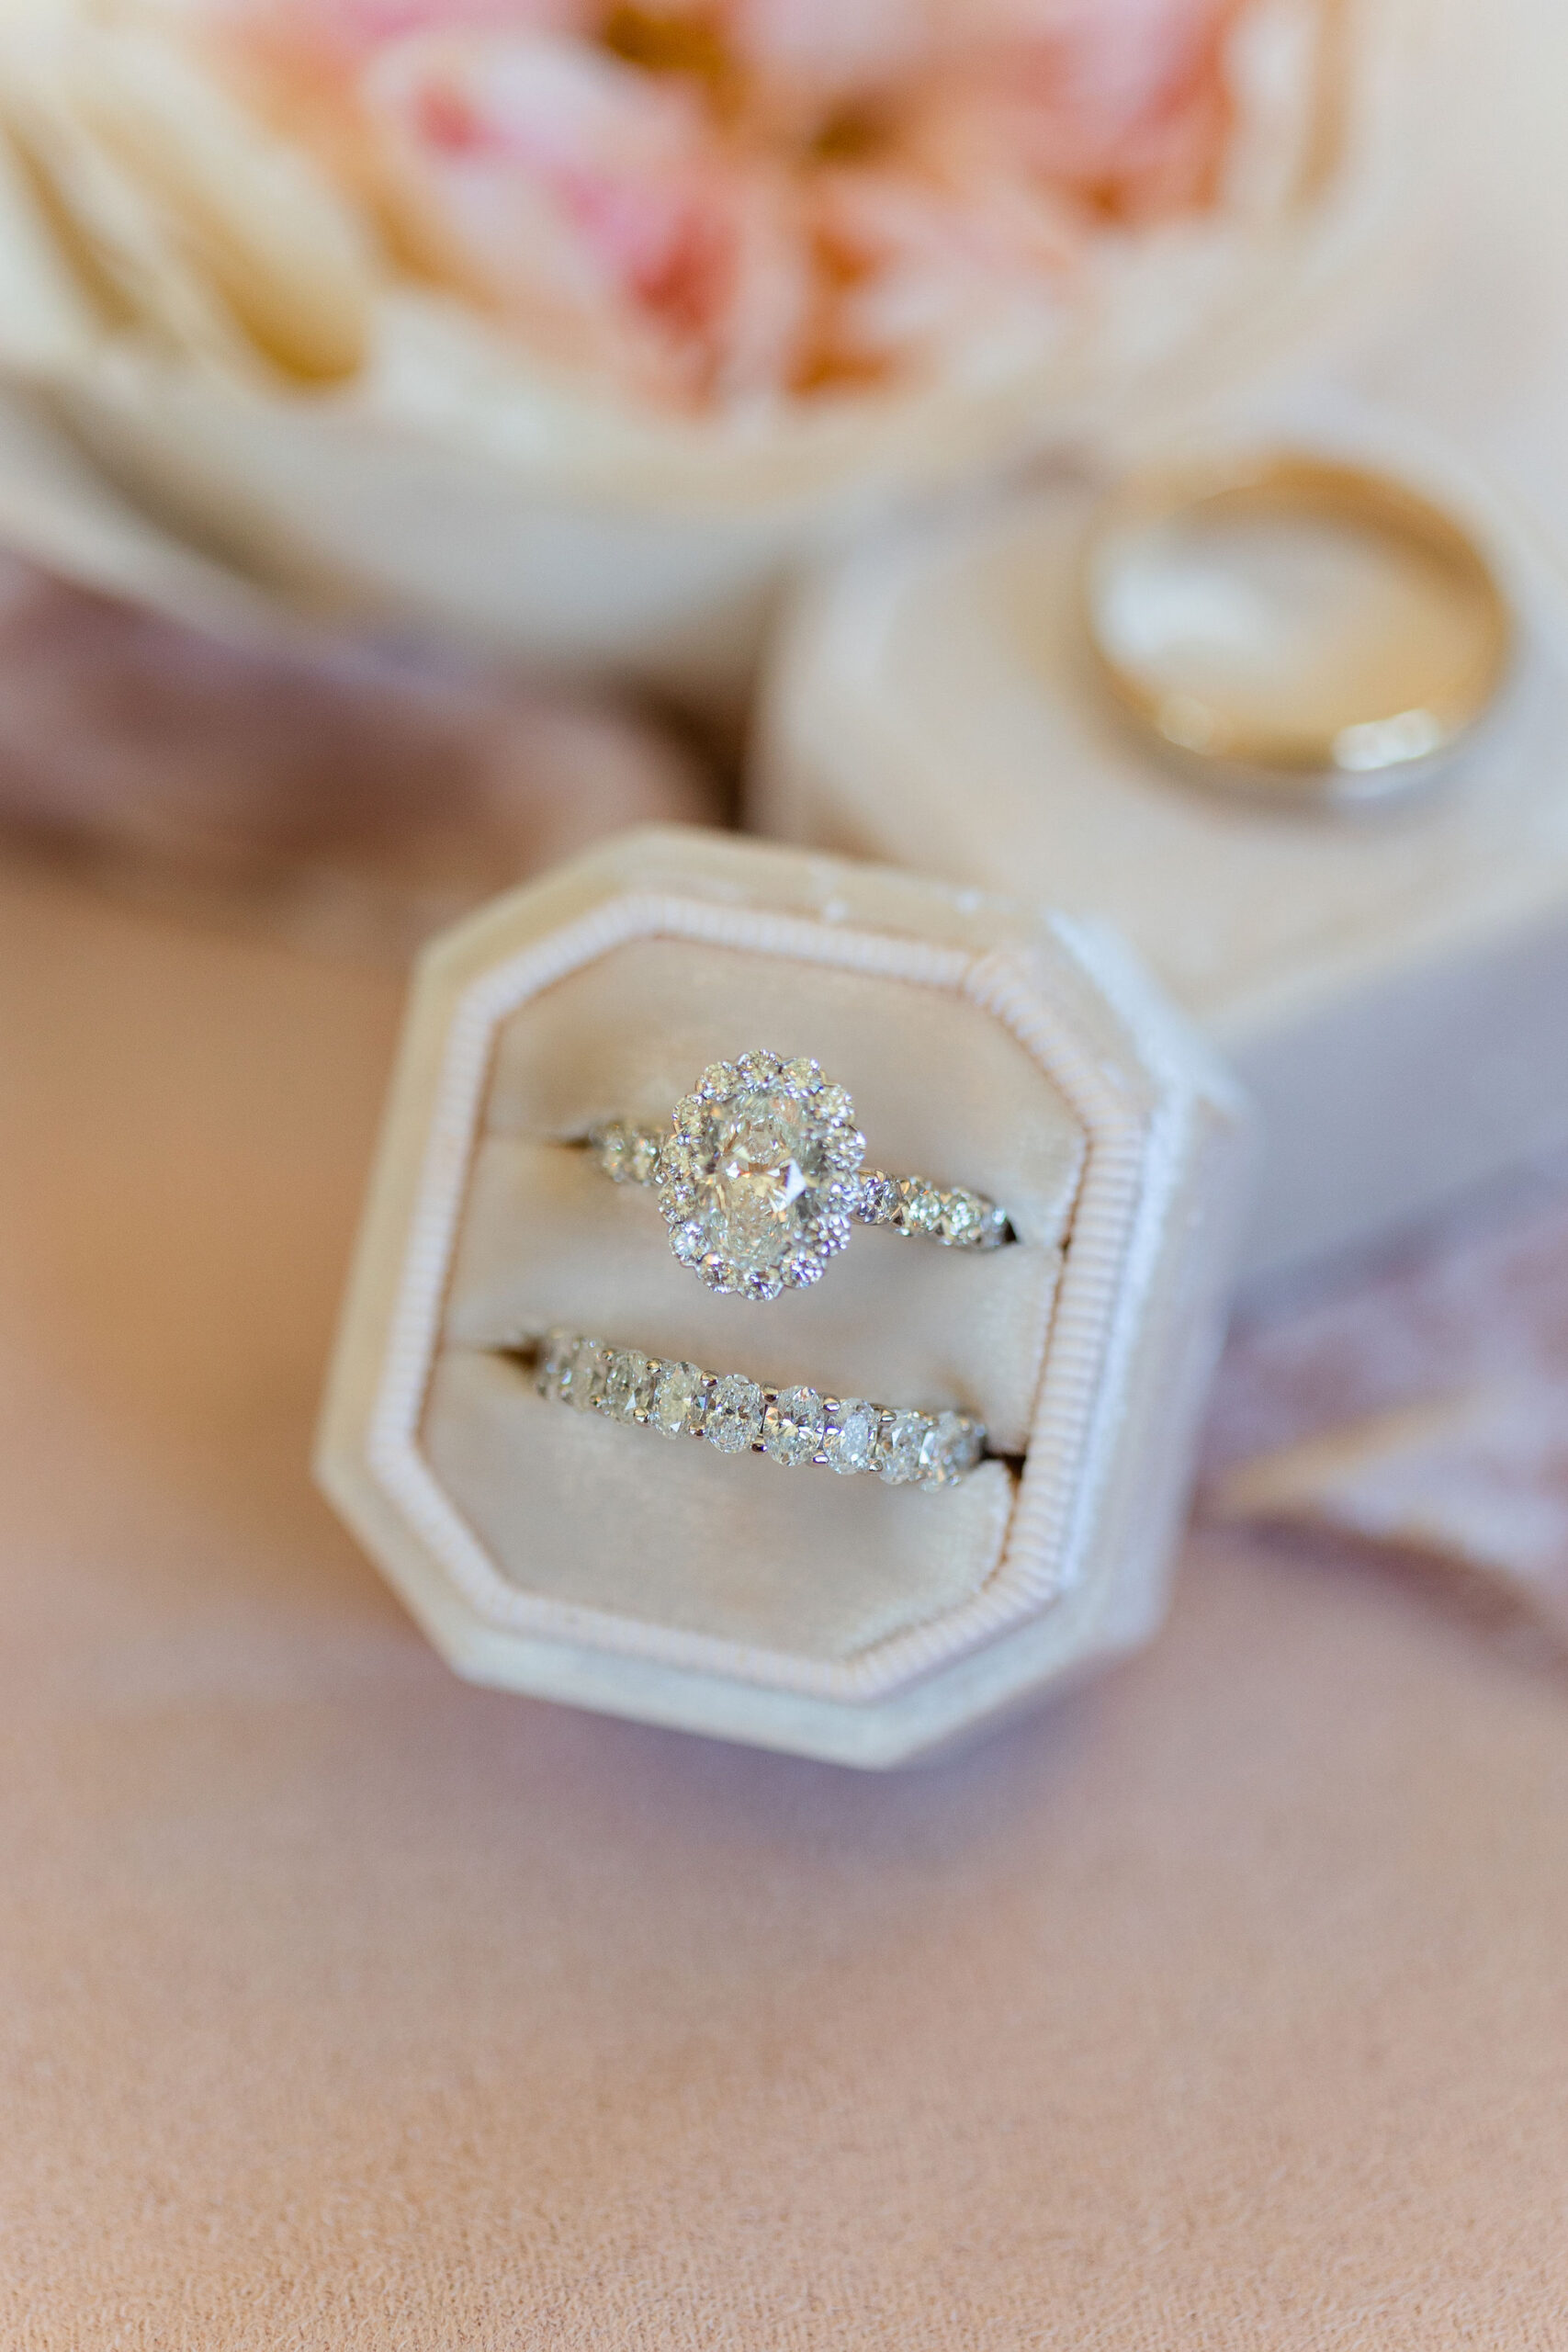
[(760, 1178), (793, 1427)]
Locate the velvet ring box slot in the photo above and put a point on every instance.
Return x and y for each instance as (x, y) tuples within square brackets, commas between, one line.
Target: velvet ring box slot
[(562, 1554)]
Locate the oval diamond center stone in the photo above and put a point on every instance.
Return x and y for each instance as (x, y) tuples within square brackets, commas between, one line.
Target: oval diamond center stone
[(758, 1189)]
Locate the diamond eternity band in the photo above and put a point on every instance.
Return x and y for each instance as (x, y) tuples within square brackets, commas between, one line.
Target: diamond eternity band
[(760, 1177), (795, 1427)]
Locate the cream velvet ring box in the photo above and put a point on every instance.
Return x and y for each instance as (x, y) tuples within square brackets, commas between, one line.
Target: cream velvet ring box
[(571, 1555), (1388, 983)]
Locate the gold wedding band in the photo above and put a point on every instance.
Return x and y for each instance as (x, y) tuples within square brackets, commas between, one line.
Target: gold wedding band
[(1293, 627)]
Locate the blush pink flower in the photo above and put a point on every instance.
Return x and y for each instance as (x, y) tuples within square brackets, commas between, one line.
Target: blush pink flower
[(591, 203), (712, 202), (1126, 105)]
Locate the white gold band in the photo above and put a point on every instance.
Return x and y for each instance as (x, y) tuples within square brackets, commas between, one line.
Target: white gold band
[(908, 1204), (795, 1427)]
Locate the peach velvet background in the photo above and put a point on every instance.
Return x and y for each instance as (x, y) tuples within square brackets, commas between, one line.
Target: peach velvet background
[(343, 2004)]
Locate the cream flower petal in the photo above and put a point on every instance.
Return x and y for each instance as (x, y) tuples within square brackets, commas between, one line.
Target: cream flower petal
[(595, 205)]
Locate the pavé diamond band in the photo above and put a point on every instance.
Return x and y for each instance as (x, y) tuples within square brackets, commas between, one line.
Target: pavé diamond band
[(760, 1176), (795, 1427)]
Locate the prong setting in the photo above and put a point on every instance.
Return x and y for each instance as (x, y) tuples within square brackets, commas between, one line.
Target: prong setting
[(796, 1427), (761, 1178), (756, 1178)]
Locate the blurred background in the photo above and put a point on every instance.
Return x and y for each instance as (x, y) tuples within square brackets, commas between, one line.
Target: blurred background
[(432, 434)]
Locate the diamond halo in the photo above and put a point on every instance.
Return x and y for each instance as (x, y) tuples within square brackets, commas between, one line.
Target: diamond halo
[(758, 1178), (760, 1174)]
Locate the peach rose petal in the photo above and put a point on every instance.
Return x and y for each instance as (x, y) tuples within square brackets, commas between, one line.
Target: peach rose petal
[(921, 271), (274, 241), (594, 204), (822, 53), (714, 203)]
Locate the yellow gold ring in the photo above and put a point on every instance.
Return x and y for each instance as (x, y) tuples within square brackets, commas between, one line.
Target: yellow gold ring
[(1293, 626)]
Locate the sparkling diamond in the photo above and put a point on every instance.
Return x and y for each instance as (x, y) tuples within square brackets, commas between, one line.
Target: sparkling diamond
[(609, 1146), (844, 1149), (756, 1182), (900, 1453), (876, 1200), (850, 1441), (803, 1075), (963, 1215), (919, 1205), (735, 1414), (952, 1446), (555, 1355), (676, 1403), (628, 1372), (642, 1159), (582, 1382), (794, 1425), (803, 1267)]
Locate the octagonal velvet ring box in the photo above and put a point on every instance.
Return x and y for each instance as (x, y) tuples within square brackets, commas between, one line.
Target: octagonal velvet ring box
[(569, 1556)]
